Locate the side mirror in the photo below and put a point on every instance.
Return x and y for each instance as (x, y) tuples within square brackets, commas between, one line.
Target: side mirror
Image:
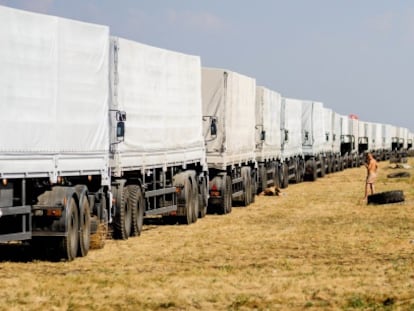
[(286, 135), (120, 130), (213, 127), (121, 116), (263, 135)]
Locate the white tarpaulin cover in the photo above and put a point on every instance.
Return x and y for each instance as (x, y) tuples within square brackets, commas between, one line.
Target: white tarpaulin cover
[(268, 109), (387, 134), (349, 126), (344, 125), (327, 120), (362, 129), (354, 128), (313, 128), (160, 91), (336, 137), (53, 95), (229, 97), (291, 119), (376, 136), (368, 133)]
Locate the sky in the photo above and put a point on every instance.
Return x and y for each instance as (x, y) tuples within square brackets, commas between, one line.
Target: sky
[(354, 56)]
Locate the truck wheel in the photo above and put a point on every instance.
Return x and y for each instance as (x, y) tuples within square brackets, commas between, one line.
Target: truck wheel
[(69, 243), (194, 201), (323, 169), (203, 198), (276, 178), (188, 198), (311, 170), (227, 197), (387, 197), (298, 172), (245, 172), (137, 209), (280, 174), (335, 165), (84, 226), (253, 186), (263, 178), (285, 180), (123, 216)]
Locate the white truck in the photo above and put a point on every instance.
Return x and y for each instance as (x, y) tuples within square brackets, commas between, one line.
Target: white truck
[(54, 144), (229, 132), (332, 142), (268, 137), (99, 130), (314, 139), (293, 164), (349, 137), (159, 167)]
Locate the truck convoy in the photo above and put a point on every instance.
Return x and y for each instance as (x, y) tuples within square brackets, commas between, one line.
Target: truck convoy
[(100, 132)]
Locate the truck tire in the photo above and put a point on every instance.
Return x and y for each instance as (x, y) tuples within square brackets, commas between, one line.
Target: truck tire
[(245, 172), (399, 175), (387, 197), (84, 226), (253, 178), (323, 169), (329, 165), (68, 245), (227, 195), (276, 178), (285, 173), (300, 171), (203, 198), (195, 208), (311, 170), (123, 216), (263, 178), (137, 209), (188, 202), (280, 174)]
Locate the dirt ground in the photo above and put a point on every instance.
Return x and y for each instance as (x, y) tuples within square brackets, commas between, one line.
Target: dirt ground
[(316, 246)]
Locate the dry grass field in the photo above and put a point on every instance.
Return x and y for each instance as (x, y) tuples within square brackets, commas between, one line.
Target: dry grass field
[(315, 247)]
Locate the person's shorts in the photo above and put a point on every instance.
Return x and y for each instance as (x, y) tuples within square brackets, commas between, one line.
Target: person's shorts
[(371, 178)]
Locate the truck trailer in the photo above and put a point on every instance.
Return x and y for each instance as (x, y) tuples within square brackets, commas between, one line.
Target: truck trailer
[(159, 166), (229, 132), (101, 132), (54, 146), (268, 138), (293, 164)]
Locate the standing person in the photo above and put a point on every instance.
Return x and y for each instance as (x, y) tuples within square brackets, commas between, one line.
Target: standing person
[(372, 167)]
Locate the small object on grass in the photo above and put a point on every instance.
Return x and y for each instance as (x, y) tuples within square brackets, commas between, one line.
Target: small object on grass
[(399, 175), (271, 191)]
